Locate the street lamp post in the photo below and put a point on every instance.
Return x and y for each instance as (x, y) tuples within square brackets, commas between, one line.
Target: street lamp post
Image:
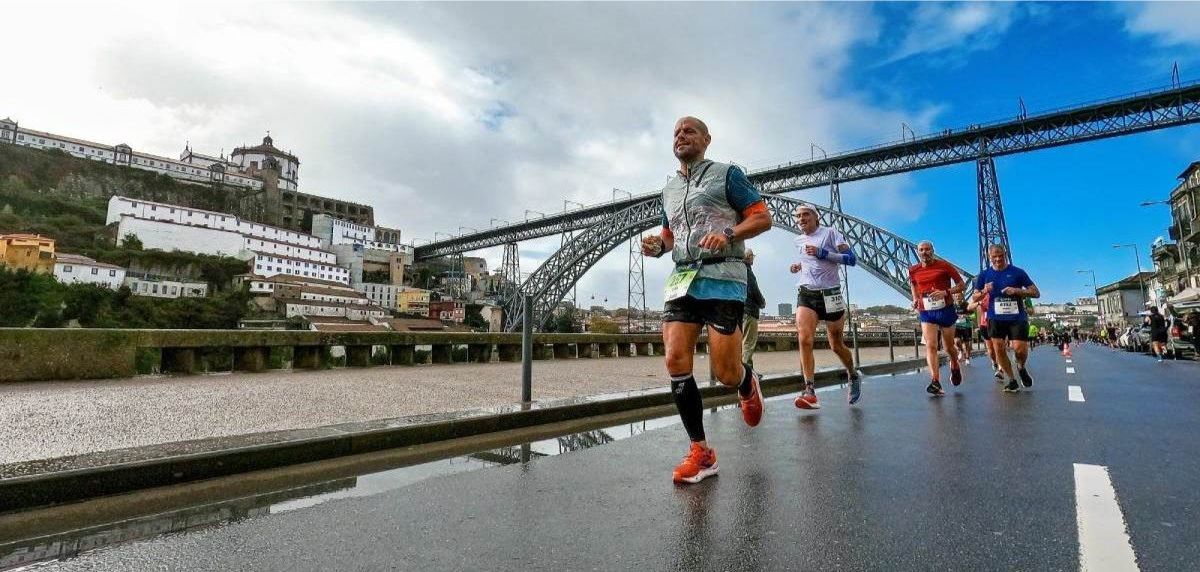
[(1138, 259), (1095, 293)]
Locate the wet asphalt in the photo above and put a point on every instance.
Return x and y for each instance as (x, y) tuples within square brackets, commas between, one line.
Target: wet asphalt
[(975, 480)]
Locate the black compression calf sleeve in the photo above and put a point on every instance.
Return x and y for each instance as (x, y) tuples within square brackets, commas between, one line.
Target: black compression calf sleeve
[(690, 406), (745, 386)]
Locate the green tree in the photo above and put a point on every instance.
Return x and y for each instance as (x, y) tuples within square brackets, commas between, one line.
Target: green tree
[(474, 318), (131, 242), (604, 326), (563, 322)]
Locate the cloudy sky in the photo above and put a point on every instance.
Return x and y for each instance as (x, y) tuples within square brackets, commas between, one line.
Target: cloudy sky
[(455, 115)]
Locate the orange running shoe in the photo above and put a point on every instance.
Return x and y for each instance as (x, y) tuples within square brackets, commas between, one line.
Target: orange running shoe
[(807, 399), (699, 464), (752, 407)]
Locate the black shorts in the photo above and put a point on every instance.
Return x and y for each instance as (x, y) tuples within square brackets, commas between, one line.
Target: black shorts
[(815, 301), (962, 333), (1160, 337), (1014, 330), (983, 333), (725, 316)]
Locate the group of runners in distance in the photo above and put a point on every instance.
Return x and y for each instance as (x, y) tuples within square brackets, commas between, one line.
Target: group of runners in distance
[(710, 209)]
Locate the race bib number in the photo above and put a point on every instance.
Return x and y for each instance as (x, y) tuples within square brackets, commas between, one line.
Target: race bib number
[(678, 283), (931, 304), (1006, 306), (834, 301)]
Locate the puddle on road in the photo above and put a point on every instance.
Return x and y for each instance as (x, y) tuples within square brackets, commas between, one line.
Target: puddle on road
[(32, 553)]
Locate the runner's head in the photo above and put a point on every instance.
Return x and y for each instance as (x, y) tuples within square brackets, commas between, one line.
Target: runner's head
[(998, 255), (806, 217), (691, 139), (749, 257), (925, 251)]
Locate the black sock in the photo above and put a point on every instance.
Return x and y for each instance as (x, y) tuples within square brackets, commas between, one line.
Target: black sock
[(690, 406), (745, 386)]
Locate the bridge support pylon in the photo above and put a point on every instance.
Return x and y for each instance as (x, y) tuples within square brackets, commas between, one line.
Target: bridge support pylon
[(992, 229)]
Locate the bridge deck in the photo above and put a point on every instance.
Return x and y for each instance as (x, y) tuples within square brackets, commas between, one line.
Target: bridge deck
[(975, 480)]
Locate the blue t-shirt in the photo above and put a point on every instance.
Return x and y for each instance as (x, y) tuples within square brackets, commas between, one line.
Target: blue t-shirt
[(740, 194), (1001, 279)]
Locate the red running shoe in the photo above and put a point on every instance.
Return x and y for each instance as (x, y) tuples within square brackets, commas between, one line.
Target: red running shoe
[(807, 399), (752, 407), (697, 465)]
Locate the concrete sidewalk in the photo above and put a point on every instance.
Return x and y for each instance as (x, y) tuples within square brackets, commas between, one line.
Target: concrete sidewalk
[(54, 419)]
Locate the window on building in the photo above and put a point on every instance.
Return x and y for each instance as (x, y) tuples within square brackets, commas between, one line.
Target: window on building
[(112, 272), (155, 289), (95, 271), (67, 268)]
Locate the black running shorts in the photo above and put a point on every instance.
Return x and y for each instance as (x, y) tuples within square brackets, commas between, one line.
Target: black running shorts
[(815, 301), (1013, 330), (962, 333), (725, 316), (983, 332)]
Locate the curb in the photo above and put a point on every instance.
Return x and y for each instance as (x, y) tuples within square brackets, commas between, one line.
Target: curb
[(72, 485)]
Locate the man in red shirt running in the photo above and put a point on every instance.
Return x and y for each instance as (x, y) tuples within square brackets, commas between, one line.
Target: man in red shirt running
[(933, 297)]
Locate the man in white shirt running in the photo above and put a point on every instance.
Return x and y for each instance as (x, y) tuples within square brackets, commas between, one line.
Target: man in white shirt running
[(819, 298)]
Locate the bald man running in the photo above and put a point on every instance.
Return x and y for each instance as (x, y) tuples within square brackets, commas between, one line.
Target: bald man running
[(709, 210), (933, 297)]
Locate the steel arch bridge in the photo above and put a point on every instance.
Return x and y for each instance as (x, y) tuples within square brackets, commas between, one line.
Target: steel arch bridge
[(881, 253), (1151, 110)]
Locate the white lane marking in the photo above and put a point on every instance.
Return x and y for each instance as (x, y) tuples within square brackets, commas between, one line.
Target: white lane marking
[(1068, 361), (1070, 370), (1074, 393), (1103, 537)]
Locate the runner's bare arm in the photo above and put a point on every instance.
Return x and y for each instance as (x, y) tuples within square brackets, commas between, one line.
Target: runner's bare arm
[(959, 285), (912, 285)]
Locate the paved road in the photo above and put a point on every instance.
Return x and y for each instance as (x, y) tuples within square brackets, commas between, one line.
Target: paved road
[(977, 480), (52, 419)]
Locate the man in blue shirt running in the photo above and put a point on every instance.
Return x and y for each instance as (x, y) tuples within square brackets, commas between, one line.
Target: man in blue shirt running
[(1008, 323)]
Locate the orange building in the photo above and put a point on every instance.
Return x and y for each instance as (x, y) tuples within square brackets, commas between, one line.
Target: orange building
[(34, 253)]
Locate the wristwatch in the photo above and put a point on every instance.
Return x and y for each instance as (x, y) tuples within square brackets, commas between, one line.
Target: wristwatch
[(728, 232)]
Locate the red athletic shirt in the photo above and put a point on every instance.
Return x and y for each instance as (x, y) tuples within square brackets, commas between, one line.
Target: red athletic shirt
[(936, 276)]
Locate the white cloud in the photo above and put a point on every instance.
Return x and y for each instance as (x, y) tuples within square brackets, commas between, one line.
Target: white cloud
[(1172, 23), (936, 27), (442, 115)]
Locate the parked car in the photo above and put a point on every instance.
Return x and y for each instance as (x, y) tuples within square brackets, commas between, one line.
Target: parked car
[(1179, 340), (1135, 338)]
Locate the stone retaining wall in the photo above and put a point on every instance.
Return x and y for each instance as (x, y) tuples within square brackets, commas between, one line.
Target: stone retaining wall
[(30, 354)]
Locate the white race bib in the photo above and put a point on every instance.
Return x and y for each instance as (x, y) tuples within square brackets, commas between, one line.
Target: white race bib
[(834, 301), (1006, 306), (678, 283), (931, 304)]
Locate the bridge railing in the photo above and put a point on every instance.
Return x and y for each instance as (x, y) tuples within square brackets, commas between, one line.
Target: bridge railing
[(30, 354)]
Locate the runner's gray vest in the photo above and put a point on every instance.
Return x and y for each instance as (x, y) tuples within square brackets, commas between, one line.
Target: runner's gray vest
[(696, 206)]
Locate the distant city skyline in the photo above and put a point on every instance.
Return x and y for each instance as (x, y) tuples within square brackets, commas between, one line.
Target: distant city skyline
[(465, 122)]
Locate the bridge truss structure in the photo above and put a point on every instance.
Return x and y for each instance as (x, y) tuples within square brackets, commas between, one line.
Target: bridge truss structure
[(597, 229), (881, 253), (1126, 115)]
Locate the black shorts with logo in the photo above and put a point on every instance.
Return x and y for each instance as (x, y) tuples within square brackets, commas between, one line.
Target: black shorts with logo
[(815, 301), (1014, 330), (725, 316)]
